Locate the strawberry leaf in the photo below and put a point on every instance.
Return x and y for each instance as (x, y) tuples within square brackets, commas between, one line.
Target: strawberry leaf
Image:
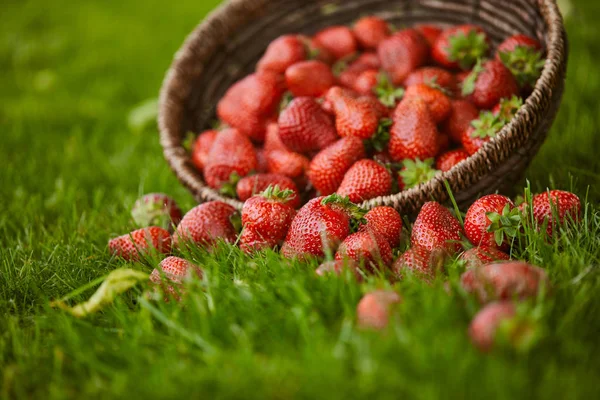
[(468, 85), (386, 92), (379, 141), (275, 193), (487, 125), (416, 172), (525, 63), (467, 49), (509, 107), (229, 188)]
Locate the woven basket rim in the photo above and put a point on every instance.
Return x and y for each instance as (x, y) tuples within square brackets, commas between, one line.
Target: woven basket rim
[(179, 159)]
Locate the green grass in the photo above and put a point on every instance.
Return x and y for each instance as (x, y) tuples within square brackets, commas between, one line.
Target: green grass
[(255, 328)]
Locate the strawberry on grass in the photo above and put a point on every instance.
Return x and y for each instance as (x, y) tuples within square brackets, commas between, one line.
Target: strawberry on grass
[(436, 228), (368, 248), (419, 261), (156, 209), (170, 276), (134, 245), (554, 208), (255, 184), (387, 222), (206, 224), (374, 309), (478, 256), (492, 221), (339, 267)]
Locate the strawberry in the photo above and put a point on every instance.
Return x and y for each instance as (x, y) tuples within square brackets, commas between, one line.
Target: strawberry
[(478, 256), (370, 31), (231, 153), (207, 223), (366, 82), (317, 229), (261, 160), (447, 160), (136, 244), (522, 55), (485, 325), (365, 180), (432, 76), (201, 148), (288, 163), (416, 172), (507, 108), (339, 41), (420, 261), (266, 218), (156, 209), (387, 222), (504, 281), (488, 83), (304, 126), (438, 103), (460, 46), (436, 228), (548, 206), (349, 73), (413, 133), (328, 167), (171, 274), (461, 114), (309, 78), (272, 139), (337, 267), (374, 309), (492, 221), (249, 103), (443, 142), (254, 184), (281, 53), (429, 32), (481, 131), (354, 116), (366, 247), (402, 53)]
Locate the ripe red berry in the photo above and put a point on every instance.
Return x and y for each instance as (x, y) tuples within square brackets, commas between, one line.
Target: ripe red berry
[(437, 102), (134, 245), (201, 148), (460, 46), (429, 32), (339, 41), (484, 327), (156, 209), (283, 52), (492, 221), (462, 113), (354, 116), (206, 224), (370, 31), (309, 78), (230, 153), (436, 228), (447, 160), (337, 267), (488, 83), (367, 248), (365, 180), (255, 184), (374, 309), (419, 261), (478, 256), (387, 222), (171, 273), (432, 76), (414, 133), (555, 203), (402, 53)]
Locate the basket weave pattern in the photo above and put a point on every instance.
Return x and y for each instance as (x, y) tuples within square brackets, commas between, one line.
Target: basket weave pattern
[(228, 43)]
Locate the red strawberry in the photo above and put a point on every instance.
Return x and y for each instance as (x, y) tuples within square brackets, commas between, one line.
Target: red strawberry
[(436, 228), (438, 103), (367, 248), (479, 256), (230, 153), (443, 142), (339, 41), (492, 221), (432, 76), (288, 163), (460, 46), (354, 116), (255, 184), (488, 83), (366, 82), (370, 31), (156, 209), (309, 78), (481, 131), (387, 222), (282, 52), (484, 327), (414, 133), (447, 160), (461, 114), (207, 223), (416, 172), (272, 139), (522, 55), (261, 160), (304, 126), (365, 180), (249, 103), (337, 267), (201, 148), (171, 274), (134, 245), (504, 281), (420, 261), (555, 203), (429, 32), (364, 62), (316, 230), (374, 309), (402, 53), (265, 219), (328, 167)]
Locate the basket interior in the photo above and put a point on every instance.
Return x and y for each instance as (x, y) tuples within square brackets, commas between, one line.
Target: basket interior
[(237, 47)]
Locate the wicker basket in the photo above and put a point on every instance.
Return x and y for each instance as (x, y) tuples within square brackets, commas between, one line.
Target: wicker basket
[(227, 44)]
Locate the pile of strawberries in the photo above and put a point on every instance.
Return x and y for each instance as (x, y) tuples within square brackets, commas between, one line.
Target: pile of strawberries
[(349, 238), (364, 111)]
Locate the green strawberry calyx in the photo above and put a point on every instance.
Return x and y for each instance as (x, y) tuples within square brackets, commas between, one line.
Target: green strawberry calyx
[(487, 125), (416, 172), (525, 63), (467, 49), (386, 92), (468, 85), (381, 137), (286, 99), (505, 225), (229, 188), (356, 213), (274, 192), (509, 107), (342, 64)]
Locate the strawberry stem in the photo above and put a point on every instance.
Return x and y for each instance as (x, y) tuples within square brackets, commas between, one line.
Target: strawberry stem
[(467, 49), (386, 92), (525, 63), (505, 225), (379, 140), (275, 193), (468, 85)]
